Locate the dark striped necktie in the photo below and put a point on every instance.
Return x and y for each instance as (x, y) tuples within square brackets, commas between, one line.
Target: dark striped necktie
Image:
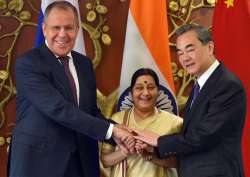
[(65, 62), (196, 92)]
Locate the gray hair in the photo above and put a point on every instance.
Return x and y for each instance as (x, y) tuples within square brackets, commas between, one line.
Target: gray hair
[(203, 34), (64, 5)]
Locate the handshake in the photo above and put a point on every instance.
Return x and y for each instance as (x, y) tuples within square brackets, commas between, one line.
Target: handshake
[(132, 141)]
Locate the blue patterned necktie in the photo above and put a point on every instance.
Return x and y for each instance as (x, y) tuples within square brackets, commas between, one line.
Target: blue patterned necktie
[(196, 92), (65, 62)]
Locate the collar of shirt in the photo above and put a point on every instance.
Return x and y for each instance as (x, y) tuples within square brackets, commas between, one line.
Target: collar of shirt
[(203, 78), (69, 54)]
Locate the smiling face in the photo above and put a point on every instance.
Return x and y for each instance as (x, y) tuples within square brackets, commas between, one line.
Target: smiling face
[(144, 93), (194, 56), (60, 30)]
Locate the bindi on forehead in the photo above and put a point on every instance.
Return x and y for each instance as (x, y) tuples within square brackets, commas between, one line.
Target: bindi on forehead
[(145, 82)]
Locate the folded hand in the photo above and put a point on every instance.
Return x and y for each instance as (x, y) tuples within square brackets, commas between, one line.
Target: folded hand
[(124, 138)]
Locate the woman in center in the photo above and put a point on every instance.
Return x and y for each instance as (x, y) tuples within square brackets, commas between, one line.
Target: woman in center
[(142, 116)]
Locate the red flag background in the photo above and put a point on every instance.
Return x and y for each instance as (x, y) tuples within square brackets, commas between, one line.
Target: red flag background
[(231, 32)]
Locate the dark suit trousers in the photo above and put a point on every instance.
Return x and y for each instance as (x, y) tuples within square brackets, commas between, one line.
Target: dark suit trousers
[(74, 168)]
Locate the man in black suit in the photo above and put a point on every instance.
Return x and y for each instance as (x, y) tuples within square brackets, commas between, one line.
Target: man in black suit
[(209, 144), (58, 122)]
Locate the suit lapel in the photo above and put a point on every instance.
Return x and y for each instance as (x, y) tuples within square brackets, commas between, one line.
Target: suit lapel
[(57, 69), (85, 75), (204, 93), (80, 74), (187, 110)]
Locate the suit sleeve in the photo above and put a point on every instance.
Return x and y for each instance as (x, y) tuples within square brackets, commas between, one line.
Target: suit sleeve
[(36, 86), (223, 115)]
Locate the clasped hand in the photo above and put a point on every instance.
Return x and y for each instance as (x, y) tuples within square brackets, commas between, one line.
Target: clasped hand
[(132, 141)]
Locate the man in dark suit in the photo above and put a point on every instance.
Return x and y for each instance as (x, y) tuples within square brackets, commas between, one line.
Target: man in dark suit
[(58, 122), (209, 144)]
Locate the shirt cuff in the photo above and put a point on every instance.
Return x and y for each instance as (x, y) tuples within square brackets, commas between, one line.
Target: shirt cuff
[(109, 132)]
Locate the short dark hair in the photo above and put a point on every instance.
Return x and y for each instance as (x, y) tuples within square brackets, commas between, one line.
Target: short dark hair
[(64, 5), (203, 34), (143, 72)]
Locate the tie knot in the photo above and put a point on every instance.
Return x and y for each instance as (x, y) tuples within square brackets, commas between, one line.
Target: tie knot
[(64, 60)]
